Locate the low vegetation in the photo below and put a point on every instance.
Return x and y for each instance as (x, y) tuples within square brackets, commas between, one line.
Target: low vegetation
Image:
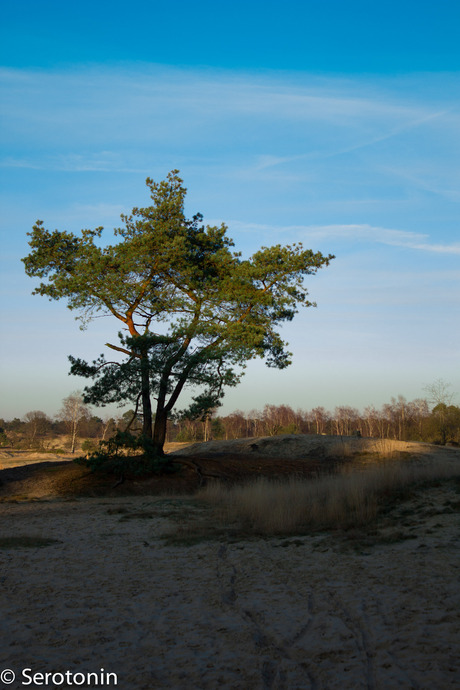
[(342, 501)]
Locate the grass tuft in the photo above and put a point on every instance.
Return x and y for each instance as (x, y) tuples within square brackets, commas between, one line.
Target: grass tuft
[(346, 500)]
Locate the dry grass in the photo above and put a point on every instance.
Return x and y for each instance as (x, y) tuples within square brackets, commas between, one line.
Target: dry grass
[(350, 499), (374, 448)]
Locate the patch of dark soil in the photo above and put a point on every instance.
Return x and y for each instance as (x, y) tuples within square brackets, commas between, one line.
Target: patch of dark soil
[(68, 479)]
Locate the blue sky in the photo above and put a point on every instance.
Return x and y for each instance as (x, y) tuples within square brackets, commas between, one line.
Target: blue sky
[(335, 124)]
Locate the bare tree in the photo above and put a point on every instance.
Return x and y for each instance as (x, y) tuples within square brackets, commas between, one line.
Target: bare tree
[(384, 421), (271, 420), (370, 417), (399, 409), (345, 419), (320, 416), (235, 424), (420, 413), (37, 424), (441, 399), (73, 412), (438, 393), (254, 417), (108, 426)]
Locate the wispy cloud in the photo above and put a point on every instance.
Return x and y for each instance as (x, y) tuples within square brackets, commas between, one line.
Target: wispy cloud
[(106, 161), (443, 181), (127, 108), (356, 158), (351, 233), (436, 248)]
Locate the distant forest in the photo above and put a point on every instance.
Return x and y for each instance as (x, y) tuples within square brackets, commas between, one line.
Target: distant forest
[(399, 419), (76, 428)]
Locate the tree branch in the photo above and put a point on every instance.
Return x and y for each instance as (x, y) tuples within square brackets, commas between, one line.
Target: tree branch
[(124, 351), (135, 413)]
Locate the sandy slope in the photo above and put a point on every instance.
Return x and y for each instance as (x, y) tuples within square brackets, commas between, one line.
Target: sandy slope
[(301, 446), (324, 611)]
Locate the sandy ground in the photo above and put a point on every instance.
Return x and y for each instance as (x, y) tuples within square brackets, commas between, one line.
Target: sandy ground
[(310, 612), (18, 458), (321, 611)]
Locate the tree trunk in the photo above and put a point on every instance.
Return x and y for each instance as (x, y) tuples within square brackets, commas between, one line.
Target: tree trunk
[(159, 430), (146, 402), (74, 436), (207, 430)]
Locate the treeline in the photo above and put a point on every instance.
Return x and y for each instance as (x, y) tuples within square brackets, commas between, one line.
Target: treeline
[(76, 428), (37, 431), (400, 419)]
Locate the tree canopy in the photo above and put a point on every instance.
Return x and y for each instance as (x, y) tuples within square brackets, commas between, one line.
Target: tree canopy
[(192, 311)]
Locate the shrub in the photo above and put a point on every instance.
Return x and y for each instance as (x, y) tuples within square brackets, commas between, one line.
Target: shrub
[(126, 454), (4, 440), (89, 445)]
